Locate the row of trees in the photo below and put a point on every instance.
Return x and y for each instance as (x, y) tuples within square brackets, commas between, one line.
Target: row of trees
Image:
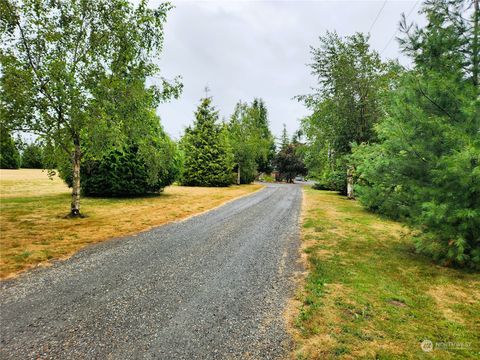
[(16, 154), (211, 153), (408, 138), (74, 74), (235, 151)]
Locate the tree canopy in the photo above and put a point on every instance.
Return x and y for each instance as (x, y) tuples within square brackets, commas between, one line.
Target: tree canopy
[(73, 72), (289, 159), (347, 103), (251, 140), (32, 156)]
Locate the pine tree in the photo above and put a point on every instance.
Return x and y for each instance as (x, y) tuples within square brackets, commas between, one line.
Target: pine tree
[(426, 168), (208, 158), (284, 141), (266, 156)]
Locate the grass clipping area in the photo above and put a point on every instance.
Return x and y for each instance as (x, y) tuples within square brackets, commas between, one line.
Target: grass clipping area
[(34, 230), (368, 295)]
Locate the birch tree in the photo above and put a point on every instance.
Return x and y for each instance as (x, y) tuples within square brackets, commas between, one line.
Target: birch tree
[(59, 59)]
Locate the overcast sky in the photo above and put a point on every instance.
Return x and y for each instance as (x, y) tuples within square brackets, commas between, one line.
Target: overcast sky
[(247, 49)]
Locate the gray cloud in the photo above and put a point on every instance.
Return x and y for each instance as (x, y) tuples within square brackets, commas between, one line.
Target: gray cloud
[(247, 49)]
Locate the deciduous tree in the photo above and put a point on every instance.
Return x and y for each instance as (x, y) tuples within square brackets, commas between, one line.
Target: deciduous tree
[(65, 62), (251, 140), (346, 105)]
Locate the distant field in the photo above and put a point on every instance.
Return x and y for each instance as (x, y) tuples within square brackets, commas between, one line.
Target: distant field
[(368, 295), (34, 230)]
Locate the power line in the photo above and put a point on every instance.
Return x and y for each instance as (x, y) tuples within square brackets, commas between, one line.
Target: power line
[(378, 15), (396, 32)]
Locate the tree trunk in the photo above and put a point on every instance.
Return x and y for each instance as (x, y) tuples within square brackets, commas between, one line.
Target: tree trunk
[(350, 194), (238, 175), (75, 206)]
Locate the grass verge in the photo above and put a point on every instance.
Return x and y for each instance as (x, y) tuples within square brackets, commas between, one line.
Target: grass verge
[(34, 230), (368, 295)]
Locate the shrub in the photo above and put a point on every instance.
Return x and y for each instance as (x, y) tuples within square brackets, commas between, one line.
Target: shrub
[(132, 171), (125, 173), (334, 180)]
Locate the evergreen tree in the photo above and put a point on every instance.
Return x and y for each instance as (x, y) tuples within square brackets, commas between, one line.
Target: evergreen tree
[(208, 158), (426, 167), (284, 141), (266, 156), (9, 156)]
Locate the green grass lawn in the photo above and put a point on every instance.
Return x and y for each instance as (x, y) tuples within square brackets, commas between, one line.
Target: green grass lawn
[(369, 295)]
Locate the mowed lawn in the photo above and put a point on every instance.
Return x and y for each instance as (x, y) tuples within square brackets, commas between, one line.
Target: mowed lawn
[(368, 295), (34, 230)]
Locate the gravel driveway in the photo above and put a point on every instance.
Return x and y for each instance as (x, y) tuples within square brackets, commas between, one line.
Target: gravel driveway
[(210, 287)]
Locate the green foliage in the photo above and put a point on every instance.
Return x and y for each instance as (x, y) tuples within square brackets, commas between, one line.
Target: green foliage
[(266, 153), (144, 166), (250, 139), (32, 156), (208, 158), (289, 160), (334, 180), (267, 178), (75, 71), (426, 167), (346, 105), (9, 155), (125, 173)]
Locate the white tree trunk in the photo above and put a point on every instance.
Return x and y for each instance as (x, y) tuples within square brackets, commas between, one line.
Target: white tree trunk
[(350, 194), (238, 175), (75, 206)]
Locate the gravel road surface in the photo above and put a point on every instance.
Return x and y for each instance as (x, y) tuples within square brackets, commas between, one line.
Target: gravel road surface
[(211, 287)]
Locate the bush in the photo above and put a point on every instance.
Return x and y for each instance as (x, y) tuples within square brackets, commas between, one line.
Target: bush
[(9, 155), (32, 157), (334, 180), (120, 173), (267, 178), (127, 172)]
